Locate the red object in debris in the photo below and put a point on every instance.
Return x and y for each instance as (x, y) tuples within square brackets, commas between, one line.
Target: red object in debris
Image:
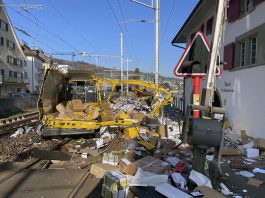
[(181, 167)]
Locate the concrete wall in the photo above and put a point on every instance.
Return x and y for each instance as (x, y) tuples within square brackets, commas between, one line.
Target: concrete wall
[(9, 106)]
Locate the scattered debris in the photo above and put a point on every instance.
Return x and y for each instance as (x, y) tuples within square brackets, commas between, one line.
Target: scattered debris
[(255, 182), (200, 179), (246, 174), (170, 191)]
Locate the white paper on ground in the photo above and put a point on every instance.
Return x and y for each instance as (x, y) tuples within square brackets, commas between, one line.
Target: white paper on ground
[(246, 174), (172, 160), (170, 191), (143, 178), (225, 190), (200, 179), (178, 178), (258, 170)]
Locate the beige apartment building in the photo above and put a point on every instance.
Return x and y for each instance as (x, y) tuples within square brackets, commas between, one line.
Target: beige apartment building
[(12, 58)]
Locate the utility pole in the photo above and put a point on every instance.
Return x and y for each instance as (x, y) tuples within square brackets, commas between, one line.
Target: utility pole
[(156, 7), (121, 60), (127, 68), (157, 13)]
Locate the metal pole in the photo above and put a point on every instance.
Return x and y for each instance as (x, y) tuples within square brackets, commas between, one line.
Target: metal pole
[(215, 47), (121, 60), (127, 75), (157, 10)]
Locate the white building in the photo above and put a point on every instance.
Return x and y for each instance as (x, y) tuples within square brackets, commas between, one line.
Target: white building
[(240, 89), (35, 68)]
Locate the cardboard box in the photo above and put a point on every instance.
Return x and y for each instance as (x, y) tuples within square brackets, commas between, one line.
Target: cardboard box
[(229, 152), (75, 105), (254, 182), (139, 116), (61, 108), (92, 111), (259, 143), (109, 158), (158, 154), (99, 170), (167, 144), (209, 192), (162, 131), (106, 192), (106, 112), (127, 166), (116, 181), (151, 164)]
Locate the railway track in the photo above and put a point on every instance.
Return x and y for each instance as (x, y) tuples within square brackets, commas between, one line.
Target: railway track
[(33, 162), (10, 124)]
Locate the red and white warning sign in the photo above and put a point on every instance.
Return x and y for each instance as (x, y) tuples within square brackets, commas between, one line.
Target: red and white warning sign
[(195, 58)]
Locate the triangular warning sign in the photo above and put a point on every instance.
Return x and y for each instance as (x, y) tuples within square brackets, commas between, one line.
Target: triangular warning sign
[(195, 58)]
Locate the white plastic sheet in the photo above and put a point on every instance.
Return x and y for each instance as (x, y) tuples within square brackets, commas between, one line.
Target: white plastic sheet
[(143, 178), (200, 179)]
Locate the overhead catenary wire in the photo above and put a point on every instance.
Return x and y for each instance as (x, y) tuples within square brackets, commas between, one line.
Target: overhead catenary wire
[(71, 25), (125, 25), (45, 28), (27, 34), (116, 18), (168, 19)]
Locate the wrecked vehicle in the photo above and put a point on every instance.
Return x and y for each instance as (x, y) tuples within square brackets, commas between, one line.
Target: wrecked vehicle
[(75, 103)]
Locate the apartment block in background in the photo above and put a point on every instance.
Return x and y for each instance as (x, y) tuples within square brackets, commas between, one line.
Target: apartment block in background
[(35, 68), (12, 58)]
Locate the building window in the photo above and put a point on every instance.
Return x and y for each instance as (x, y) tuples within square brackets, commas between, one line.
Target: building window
[(242, 53), (10, 74), (15, 74), (2, 41), (2, 72), (253, 50), (209, 27), (246, 7), (10, 59), (10, 44), (249, 47), (26, 75), (3, 25)]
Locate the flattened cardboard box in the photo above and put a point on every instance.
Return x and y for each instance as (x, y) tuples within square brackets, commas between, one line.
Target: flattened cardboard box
[(99, 170), (229, 152), (154, 165), (127, 166), (75, 105), (260, 143)]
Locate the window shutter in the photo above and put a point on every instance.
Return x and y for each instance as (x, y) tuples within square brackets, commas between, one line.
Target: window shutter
[(229, 56), (233, 12), (256, 2)]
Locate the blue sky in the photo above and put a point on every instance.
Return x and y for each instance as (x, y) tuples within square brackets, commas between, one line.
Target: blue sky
[(90, 26)]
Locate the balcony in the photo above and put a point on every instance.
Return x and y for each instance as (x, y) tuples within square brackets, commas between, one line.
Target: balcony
[(10, 80)]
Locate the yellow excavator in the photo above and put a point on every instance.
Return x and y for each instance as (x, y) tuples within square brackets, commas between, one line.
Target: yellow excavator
[(51, 94)]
